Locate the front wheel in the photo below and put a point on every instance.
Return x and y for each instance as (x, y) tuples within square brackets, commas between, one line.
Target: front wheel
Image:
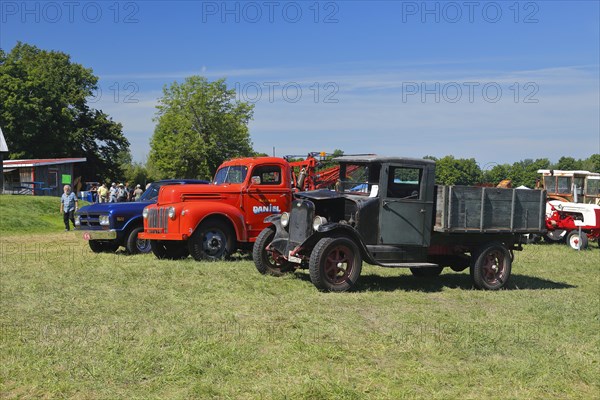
[(135, 245), (491, 267), (335, 264), (577, 242), (169, 250), (268, 262), (213, 240)]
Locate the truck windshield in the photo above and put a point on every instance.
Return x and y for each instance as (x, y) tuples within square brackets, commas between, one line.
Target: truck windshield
[(231, 174), (151, 193), (358, 178)]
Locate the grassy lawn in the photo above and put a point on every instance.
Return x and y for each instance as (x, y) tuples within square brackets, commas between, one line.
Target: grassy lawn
[(80, 325)]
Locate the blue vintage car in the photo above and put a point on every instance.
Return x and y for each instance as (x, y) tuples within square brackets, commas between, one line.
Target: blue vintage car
[(106, 226)]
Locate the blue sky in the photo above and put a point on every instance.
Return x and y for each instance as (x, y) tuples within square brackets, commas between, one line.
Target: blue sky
[(497, 81)]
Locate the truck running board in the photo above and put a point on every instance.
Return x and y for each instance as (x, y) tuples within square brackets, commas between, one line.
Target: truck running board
[(408, 265)]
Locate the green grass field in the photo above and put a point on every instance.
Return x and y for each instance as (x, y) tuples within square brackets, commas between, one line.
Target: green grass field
[(80, 325)]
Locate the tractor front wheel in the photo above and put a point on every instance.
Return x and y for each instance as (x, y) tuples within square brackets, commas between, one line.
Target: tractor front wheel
[(577, 242)]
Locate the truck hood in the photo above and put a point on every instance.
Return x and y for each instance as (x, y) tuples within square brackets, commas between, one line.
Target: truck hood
[(108, 208), (322, 194), (177, 193)]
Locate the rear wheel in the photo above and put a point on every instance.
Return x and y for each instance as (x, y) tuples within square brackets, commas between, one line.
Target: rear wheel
[(427, 272), (103, 246), (169, 250), (335, 264), (212, 240), (577, 242), (135, 245), (268, 261), (491, 267)]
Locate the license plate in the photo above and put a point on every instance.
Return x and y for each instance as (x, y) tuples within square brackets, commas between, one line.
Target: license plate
[(86, 236), (293, 259)]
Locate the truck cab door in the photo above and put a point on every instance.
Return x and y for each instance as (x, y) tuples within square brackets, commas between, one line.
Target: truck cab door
[(407, 205), (268, 193)]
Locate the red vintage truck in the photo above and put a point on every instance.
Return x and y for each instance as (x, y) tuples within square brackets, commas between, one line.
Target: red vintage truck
[(211, 221)]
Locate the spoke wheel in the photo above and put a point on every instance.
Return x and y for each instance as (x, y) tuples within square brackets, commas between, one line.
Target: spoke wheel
[(335, 264), (492, 266), (269, 261)]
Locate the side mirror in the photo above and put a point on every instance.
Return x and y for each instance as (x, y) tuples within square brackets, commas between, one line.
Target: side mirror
[(255, 180)]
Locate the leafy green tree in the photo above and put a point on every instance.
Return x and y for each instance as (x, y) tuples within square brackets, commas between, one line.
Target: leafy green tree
[(44, 111), (200, 124), (592, 163), (457, 171), (568, 164), (525, 173), (497, 173)]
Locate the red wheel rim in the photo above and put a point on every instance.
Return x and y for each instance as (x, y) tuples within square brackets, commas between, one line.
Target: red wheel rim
[(493, 267), (338, 264)]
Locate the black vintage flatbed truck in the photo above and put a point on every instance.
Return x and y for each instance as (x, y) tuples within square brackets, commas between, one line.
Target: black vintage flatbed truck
[(388, 211)]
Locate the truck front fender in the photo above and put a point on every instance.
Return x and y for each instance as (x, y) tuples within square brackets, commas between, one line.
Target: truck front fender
[(195, 214), (334, 229)]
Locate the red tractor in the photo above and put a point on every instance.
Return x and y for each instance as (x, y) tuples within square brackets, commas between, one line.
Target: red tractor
[(576, 222)]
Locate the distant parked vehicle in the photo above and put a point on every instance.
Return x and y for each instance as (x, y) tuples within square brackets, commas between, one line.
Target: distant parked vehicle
[(106, 226)]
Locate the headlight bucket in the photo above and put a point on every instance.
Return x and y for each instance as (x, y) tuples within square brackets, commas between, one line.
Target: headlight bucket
[(285, 219), (318, 221), (145, 213), (171, 212)]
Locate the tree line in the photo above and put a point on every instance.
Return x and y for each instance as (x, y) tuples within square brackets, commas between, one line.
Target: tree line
[(461, 171), (45, 112)]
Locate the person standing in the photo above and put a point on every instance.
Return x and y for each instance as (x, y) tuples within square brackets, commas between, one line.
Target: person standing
[(103, 193), (68, 206), (137, 193), (113, 193)]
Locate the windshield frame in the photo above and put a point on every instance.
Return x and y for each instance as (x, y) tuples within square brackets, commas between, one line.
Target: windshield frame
[(231, 170)]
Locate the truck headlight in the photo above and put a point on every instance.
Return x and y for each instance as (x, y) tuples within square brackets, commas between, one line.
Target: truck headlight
[(285, 219), (171, 212), (77, 220), (145, 213), (318, 221), (104, 220)]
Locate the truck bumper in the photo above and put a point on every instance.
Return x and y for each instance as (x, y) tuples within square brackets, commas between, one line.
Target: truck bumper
[(96, 235), (162, 236)]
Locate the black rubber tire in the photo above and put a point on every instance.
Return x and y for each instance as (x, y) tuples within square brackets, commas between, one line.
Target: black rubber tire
[(491, 266), (262, 260), (427, 272), (103, 246), (573, 237), (213, 240), (321, 256), (135, 246), (169, 249)]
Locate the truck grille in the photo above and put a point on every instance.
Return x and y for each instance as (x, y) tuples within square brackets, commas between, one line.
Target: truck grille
[(158, 219), (301, 217), (86, 219)]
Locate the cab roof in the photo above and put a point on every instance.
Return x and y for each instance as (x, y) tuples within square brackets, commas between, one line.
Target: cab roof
[(382, 160), (254, 160)]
